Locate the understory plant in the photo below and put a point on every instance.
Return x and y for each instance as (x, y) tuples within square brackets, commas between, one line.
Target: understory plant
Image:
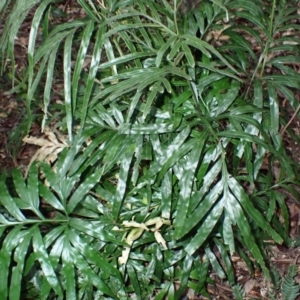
[(172, 114), (285, 289)]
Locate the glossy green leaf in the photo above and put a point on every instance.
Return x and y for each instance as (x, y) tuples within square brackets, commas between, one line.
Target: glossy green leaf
[(285, 59), (110, 54), (89, 28), (171, 292), (146, 128), (94, 256), (32, 89), (174, 50), (178, 152), (9, 204), (279, 79), (272, 207), (52, 42), (85, 269), (274, 109), (92, 73), (205, 229), (288, 94), (166, 201), (138, 155), (201, 267), (83, 189), (88, 10), (217, 71), (67, 83), (122, 179), (229, 98), (226, 259), (186, 185), (285, 213), (49, 197), (95, 229), (17, 271), (243, 198), (202, 209), (163, 50), (29, 193), (133, 105), (13, 24), (228, 233), (33, 35), (43, 258), (197, 43), (250, 242), (185, 273), (11, 241), (241, 41), (153, 91), (188, 55), (214, 262), (67, 156), (251, 12), (250, 138), (48, 85), (163, 292), (134, 280), (68, 272)]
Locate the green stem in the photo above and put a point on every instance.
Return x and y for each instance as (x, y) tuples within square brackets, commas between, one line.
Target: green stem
[(271, 35), (30, 222), (175, 16), (264, 55), (277, 185)]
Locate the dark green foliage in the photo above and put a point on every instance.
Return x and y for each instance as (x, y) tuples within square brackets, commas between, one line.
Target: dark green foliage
[(168, 134)]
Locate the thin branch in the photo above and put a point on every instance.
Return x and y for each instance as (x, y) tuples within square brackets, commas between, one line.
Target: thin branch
[(290, 121)]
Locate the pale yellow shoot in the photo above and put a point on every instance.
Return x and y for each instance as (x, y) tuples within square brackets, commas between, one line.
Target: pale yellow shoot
[(137, 231), (133, 235), (160, 239), (135, 224)]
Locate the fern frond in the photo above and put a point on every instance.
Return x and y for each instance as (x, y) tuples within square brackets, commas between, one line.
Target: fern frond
[(276, 278), (238, 292), (290, 289)]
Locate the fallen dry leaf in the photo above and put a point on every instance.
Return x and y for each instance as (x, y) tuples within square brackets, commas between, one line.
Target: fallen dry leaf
[(249, 285), (51, 146)]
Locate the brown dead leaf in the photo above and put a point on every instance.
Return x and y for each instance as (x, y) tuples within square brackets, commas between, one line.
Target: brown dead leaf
[(51, 146), (249, 285)]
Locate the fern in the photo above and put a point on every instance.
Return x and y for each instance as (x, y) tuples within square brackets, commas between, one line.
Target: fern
[(290, 289), (276, 281), (238, 292)]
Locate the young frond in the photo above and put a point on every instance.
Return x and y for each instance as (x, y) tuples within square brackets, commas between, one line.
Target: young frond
[(290, 289), (238, 292)]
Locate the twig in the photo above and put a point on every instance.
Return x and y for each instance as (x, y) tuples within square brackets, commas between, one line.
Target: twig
[(290, 121)]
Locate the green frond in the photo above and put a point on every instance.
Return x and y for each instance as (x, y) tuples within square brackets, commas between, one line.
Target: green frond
[(238, 292), (174, 123), (290, 289)]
